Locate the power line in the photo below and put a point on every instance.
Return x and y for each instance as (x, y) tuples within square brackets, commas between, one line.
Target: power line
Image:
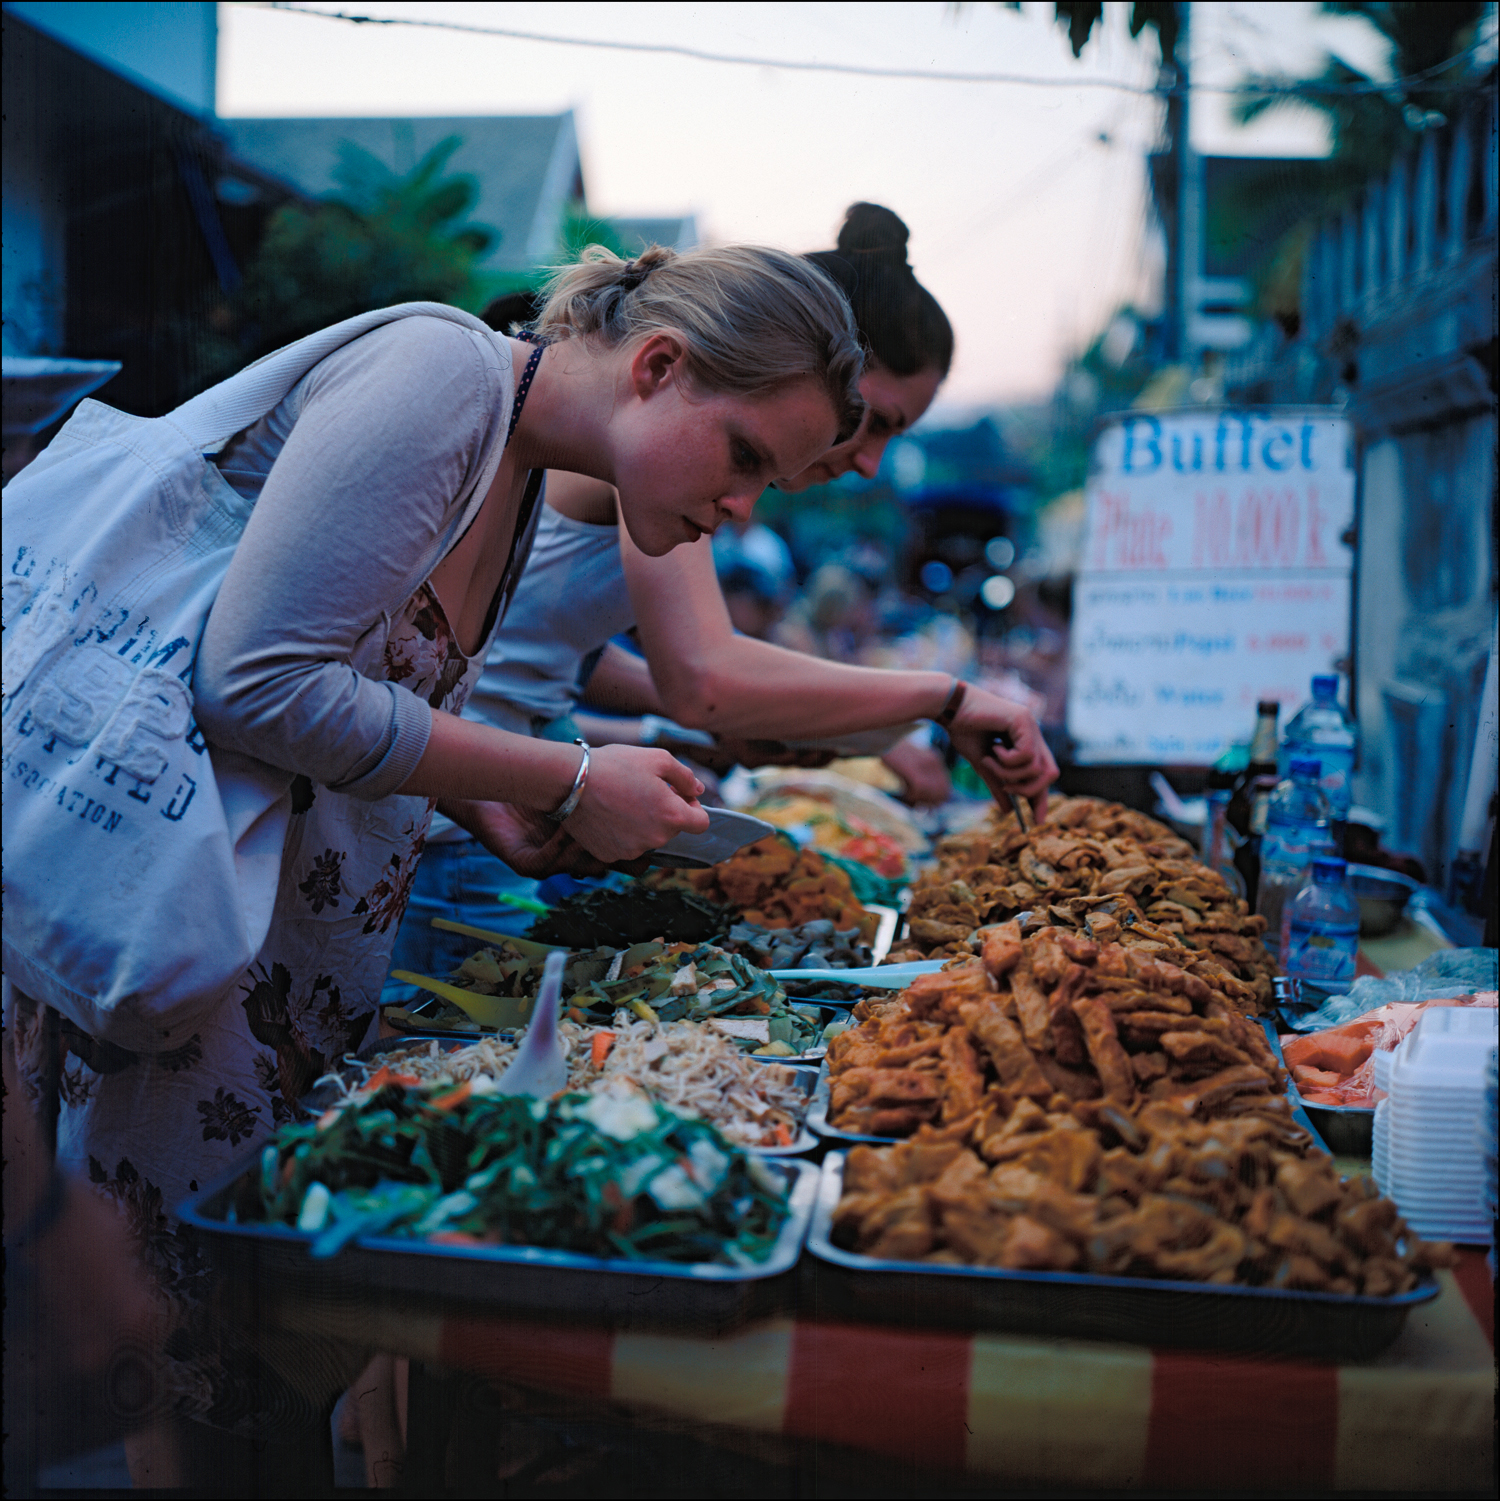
[(697, 54), (1044, 176)]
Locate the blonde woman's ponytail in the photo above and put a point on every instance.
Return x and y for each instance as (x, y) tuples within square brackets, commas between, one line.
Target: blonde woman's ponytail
[(752, 319)]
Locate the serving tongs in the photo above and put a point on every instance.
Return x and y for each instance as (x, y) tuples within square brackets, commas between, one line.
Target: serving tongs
[(1022, 809), (494, 1011), (523, 945), (505, 1013)]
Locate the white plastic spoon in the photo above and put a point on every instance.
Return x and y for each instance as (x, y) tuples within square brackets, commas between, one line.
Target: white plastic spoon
[(539, 1069), (880, 977)]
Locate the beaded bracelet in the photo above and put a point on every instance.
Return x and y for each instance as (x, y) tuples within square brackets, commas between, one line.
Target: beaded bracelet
[(570, 802)]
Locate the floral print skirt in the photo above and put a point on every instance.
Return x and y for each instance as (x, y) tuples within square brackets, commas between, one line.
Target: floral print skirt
[(149, 1129)]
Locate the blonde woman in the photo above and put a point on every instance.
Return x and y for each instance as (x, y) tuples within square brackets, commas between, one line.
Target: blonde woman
[(351, 625)]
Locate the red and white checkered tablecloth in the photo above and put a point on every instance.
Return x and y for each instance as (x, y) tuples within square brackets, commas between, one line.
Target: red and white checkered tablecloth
[(1028, 1411)]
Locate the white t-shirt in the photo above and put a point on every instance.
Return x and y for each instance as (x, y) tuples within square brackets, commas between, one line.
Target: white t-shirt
[(570, 600)]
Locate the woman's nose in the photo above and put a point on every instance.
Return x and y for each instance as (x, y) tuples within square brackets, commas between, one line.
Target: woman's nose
[(739, 507), (865, 460)]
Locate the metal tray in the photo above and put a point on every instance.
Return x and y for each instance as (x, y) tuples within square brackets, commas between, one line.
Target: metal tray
[(817, 1115), (1346, 1130), (822, 1012), (1349, 1130), (1299, 1109), (1076, 1305), (524, 1280), (853, 993), (805, 1141)]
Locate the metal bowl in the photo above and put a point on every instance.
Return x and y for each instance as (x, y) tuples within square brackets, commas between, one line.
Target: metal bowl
[(1382, 896)]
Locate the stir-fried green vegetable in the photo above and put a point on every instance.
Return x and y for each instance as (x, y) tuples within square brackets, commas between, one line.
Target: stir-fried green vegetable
[(515, 968), (635, 914), (610, 1174)]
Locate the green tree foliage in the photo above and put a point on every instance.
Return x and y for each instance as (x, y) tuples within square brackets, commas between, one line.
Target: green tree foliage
[(581, 229), (386, 238), (1430, 41), (1079, 17)]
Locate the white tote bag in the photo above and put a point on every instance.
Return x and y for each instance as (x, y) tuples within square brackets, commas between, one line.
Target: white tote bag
[(140, 863)]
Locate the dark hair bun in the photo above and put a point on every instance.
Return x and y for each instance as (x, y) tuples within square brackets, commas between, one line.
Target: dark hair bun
[(869, 227), (900, 322)]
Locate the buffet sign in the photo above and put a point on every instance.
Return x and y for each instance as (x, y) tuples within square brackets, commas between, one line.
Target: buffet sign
[(1215, 572)]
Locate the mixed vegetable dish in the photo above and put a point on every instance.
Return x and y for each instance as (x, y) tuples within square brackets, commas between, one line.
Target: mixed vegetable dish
[(612, 1174)]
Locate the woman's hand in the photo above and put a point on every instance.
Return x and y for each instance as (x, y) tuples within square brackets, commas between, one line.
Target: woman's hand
[(1027, 768), (527, 841), (635, 800), (921, 769)]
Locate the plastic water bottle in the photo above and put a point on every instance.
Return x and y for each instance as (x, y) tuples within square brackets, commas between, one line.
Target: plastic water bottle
[(1298, 829), (1321, 730), (1322, 929)]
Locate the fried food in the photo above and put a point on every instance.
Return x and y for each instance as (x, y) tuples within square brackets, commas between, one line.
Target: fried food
[(1097, 873), (772, 884), (1073, 1104)]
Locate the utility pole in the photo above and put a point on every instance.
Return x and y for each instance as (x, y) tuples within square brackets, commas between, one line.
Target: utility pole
[(1185, 254)]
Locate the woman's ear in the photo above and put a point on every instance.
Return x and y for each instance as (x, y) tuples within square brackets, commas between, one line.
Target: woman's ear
[(656, 364)]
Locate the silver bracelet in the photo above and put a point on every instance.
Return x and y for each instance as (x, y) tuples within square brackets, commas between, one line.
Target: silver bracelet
[(570, 802)]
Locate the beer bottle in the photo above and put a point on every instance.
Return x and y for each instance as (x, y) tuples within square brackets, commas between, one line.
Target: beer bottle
[(1253, 788)]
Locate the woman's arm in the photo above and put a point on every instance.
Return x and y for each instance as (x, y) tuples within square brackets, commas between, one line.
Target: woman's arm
[(387, 434), (633, 800), (621, 683), (352, 517), (711, 678)]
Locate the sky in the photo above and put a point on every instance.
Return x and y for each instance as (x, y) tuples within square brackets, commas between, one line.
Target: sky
[(1026, 205)]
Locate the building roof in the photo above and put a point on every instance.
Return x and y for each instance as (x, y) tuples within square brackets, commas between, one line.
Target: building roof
[(527, 166), (169, 49)]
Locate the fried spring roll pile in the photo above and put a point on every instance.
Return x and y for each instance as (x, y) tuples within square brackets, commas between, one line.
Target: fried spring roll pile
[(1082, 1107), (1097, 868)]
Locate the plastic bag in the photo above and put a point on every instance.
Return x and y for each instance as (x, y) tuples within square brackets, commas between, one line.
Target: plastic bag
[(1447, 973)]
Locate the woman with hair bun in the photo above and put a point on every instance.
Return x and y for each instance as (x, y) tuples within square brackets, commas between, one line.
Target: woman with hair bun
[(392, 499), (589, 580), (907, 337)]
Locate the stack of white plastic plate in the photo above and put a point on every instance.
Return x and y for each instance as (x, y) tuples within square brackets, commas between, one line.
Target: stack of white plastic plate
[(1489, 1128), (1427, 1153)]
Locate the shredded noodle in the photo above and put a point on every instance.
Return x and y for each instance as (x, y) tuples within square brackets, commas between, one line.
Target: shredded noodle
[(688, 1067)]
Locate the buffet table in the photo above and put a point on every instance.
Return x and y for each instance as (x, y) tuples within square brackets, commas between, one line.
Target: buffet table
[(806, 1385), (1024, 1411)]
